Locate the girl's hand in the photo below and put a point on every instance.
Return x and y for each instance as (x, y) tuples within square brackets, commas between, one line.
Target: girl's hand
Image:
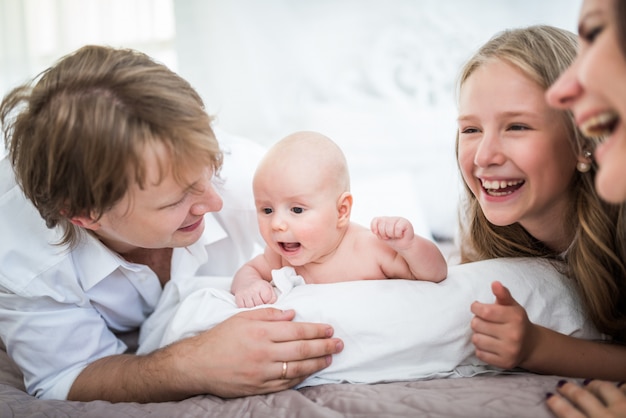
[(503, 334)]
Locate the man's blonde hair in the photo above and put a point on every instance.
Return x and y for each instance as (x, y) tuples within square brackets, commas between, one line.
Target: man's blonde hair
[(76, 133)]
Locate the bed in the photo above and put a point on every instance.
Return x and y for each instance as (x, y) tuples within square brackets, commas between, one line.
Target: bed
[(489, 393), (516, 395)]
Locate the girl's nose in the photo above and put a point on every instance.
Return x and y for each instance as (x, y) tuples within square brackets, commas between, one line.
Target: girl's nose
[(489, 151)]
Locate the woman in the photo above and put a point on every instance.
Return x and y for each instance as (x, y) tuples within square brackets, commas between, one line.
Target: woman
[(594, 89), (529, 182)]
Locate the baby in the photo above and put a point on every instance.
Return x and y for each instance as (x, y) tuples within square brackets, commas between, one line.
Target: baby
[(303, 200)]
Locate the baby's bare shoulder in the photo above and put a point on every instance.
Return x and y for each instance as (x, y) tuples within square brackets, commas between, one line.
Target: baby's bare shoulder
[(362, 238)]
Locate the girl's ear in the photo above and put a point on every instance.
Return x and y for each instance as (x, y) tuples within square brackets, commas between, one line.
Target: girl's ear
[(344, 208)]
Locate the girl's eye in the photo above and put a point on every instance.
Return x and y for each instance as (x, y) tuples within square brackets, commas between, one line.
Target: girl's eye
[(469, 130), (297, 210), (518, 127), (267, 211)]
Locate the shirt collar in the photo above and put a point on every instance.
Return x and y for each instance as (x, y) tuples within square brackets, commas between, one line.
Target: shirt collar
[(94, 261), (186, 261)]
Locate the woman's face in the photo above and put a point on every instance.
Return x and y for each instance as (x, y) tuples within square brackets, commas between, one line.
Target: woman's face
[(594, 88), (514, 152)]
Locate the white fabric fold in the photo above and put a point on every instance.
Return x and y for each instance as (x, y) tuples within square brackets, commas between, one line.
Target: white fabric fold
[(392, 329)]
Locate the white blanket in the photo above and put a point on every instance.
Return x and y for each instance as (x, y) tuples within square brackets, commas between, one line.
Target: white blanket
[(392, 329)]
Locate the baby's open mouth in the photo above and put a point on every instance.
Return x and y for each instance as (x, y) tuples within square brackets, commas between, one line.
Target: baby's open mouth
[(289, 246), (501, 187), (600, 125)]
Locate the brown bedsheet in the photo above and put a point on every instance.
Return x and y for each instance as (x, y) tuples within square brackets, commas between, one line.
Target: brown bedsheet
[(518, 395)]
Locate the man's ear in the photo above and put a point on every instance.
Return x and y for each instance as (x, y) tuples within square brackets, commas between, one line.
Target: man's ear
[(344, 208), (86, 222)]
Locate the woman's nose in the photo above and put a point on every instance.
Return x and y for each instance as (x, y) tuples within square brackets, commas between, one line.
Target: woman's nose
[(565, 90)]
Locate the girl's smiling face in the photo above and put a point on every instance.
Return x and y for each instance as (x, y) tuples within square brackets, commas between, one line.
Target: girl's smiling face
[(594, 89), (514, 151)]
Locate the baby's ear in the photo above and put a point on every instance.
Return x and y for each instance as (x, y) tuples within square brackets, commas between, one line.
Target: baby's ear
[(86, 222), (344, 207)]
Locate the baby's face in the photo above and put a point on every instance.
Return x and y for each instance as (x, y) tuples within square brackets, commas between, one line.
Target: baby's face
[(297, 211)]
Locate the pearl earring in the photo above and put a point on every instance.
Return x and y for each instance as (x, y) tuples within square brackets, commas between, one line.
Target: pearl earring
[(584, 166)]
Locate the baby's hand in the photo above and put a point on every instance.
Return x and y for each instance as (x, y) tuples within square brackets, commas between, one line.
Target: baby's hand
[(258, 293), (397, 232)]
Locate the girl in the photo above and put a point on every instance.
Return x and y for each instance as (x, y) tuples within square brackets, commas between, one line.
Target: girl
[(529, 178)]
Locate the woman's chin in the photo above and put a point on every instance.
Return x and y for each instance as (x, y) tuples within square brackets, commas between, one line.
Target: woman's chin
[(611, 184), (610, 156)]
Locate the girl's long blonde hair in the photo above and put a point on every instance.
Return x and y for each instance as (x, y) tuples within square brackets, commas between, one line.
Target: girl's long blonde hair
[(597, 255)]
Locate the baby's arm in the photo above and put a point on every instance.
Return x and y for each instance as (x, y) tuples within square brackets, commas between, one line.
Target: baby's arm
[(422, 256), (251, 284)]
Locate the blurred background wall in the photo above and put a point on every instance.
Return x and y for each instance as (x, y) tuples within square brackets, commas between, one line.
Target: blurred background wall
[(377, 76)]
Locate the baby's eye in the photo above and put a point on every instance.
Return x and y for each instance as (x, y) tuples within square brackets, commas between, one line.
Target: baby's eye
[(267, 211), (297, 210)]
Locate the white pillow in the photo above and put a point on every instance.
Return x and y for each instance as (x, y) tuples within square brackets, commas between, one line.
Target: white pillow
[(392, 329)]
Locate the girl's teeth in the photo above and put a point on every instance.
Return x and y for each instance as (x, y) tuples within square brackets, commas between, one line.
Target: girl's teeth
[(501, 187), (500, 184)]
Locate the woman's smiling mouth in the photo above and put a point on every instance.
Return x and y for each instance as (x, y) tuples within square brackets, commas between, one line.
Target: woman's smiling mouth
[(600, 125)]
